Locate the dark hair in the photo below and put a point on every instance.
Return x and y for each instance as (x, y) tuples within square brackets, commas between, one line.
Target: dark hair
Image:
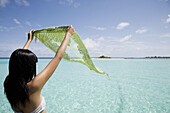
[(22, 68)]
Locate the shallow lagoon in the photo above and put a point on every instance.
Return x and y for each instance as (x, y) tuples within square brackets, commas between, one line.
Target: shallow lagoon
[(136, 86)]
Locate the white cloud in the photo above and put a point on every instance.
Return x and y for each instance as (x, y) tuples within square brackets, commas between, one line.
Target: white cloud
[(117, 49), (97, 47), (89, 43), (76, 5), (28, 23), (125, 38), (3, 3), (165, 35), (122, 25), (22, 2), (18, 2), (98, 28), (4, 28), (141, 31), (16, 21), (101, 39), (168, 20), (39, 25), (69, 3)]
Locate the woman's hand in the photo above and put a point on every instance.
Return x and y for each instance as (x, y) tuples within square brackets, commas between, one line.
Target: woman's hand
[(30, 35), (70, 30), (30, 38)]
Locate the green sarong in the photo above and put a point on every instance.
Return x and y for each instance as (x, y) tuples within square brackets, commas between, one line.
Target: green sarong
[(76, 51)]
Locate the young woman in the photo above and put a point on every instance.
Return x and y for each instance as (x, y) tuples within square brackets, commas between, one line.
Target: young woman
[(22, 86)]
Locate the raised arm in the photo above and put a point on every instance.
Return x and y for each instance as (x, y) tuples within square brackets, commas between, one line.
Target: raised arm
[(30, 37), (39, 81)]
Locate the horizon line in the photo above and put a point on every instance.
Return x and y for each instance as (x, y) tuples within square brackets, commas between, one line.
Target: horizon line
[(105, 56)]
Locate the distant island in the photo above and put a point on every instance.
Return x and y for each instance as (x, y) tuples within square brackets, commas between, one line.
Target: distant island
[(104, 57), (157, 57), (148, 57)]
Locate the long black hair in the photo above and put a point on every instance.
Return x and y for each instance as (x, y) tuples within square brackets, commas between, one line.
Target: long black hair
[(22, 69)]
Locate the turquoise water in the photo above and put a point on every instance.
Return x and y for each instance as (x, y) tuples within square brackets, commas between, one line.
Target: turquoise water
[(136, 86)]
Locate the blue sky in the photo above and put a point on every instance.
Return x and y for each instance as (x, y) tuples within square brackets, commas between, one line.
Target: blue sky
[(117, 28)]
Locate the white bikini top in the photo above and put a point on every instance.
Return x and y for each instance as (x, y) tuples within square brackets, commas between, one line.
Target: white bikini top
[(39, 109)]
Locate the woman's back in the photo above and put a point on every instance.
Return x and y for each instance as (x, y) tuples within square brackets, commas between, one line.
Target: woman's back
[(22, 86), (35, 102)]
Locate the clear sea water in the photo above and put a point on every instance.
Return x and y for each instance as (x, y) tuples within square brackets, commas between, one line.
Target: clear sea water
[(136, 86)]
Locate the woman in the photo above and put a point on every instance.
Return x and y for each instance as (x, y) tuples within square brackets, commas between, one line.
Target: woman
[(22, 90)]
